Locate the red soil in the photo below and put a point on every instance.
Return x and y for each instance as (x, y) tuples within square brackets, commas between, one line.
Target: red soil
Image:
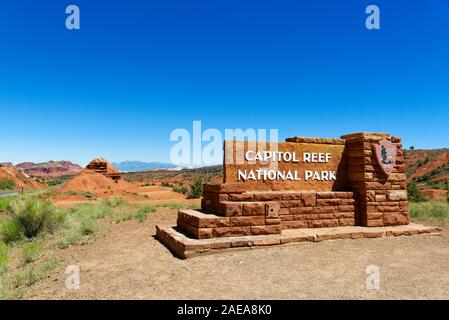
[(439, 161), (434, 193), (21, 180)]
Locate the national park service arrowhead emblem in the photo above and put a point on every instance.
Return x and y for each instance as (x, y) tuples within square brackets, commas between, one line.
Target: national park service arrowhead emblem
[(386, 153)]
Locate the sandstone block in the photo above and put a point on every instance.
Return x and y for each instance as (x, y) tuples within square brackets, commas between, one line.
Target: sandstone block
[(247, 221), (270, 229), (253, 209), (231, 231)]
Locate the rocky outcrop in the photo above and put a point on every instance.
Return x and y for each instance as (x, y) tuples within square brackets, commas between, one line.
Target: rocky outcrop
[(99, 178), (102, 166)]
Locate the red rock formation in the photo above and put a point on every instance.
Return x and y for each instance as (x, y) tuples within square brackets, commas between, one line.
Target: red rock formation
[(49, 169), (100, 178)]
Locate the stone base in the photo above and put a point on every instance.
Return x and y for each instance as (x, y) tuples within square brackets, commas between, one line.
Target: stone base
[(183, 246)]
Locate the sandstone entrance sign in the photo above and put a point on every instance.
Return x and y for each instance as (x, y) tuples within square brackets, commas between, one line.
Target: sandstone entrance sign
[(303, 189), (312, 164)]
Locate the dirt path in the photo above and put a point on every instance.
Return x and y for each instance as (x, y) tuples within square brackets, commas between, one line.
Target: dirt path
[(126, 262)]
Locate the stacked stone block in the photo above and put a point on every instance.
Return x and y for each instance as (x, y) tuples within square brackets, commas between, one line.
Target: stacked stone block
[(381, 199), (229, 211)]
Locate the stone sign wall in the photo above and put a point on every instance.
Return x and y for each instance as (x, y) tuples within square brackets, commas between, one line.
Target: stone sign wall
[(357, 180)]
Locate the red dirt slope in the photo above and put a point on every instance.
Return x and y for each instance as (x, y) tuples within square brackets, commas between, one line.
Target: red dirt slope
[(7, 171)]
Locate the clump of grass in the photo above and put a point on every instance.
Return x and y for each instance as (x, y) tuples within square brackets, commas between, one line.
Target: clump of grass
[(142, 213), (31, 274), (180, 189), (429, 211), (12, 231), (5, 201), (114, 202), (35, 216), (8, 290), (7, 184), (4, 258), (31, 252), (28, 276), (178, 205)]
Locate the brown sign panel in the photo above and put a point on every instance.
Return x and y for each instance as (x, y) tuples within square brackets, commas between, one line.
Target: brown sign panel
[(285, 165)]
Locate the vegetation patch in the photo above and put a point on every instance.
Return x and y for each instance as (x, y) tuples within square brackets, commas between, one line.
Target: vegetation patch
[(31, 252), (7, 184), (435, 211), (4, 258)]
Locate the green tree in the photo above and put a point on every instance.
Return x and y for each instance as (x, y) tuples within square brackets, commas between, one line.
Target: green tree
[(196, 189), (412, 148), (414, 194)]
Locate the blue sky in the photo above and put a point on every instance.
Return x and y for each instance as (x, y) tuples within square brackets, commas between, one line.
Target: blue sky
[(138, 69)]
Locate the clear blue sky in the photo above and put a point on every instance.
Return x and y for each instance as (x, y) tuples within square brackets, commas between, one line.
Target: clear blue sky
[(139, 69)]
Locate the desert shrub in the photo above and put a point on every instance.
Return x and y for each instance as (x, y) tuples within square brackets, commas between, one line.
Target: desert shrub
[(147, 209), (35, 216), (414, 194), (180, 189), (7, 184), (166, 184), (4, 258), (430, 211), (31, 252), (5, 201), (196, 189), (87, 226), (28, 276), (8, 290), (114, 202), (178, 205), (447, 196), (12, 231), (143, 212)]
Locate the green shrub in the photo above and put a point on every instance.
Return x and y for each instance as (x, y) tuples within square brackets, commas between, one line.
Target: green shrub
[(4, 258), (35, 216), (429, 211), (414, 194), (28, 276), (166, 184), (5, 201), (12, 231), (7, 184), (143, 212), (180, 189), (87, 226), (31, 252), (447, 197), (196, 189), (114, 202)]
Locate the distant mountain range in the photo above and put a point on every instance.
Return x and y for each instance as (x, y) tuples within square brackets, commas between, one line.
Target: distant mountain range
[(134, 166)]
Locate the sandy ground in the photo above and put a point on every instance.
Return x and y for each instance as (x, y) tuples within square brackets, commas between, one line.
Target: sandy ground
[(126, 262)]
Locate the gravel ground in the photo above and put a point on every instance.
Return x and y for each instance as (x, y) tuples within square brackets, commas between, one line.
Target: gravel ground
[(126, 262)]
